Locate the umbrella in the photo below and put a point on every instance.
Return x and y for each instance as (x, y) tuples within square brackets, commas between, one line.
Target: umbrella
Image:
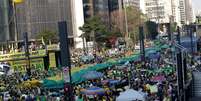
[(112, 62), (87, 58), (165, 46), (55, 94), (52, 84), (93, 91), (121, 67), (158, 79), (130, 95), (110, 81), (92, 75), (113, 82), (152, 51), (154, 56)]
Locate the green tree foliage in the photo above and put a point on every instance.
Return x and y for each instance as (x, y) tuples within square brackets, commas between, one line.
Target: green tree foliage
[(174, 27), (94, 30), (47, 36), (151, 29), (135, 18)]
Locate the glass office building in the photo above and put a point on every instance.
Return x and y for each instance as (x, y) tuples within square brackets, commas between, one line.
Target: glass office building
[(4, 20), (35, 16), (101, 8)]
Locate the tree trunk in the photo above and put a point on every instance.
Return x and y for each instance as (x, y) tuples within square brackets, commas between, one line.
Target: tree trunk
[(84, 48), (94, 40)]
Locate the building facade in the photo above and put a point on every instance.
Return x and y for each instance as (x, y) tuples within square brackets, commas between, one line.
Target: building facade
[(186, 11), (106, 9), (5, 23), (140, 4), (135, 3), (189, 11), (163, 11), (182, 8), (35, 16), (78, 21), (156, 11)]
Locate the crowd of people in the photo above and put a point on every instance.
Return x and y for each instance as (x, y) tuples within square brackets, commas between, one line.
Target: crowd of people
[(154, 78), (137, 78)]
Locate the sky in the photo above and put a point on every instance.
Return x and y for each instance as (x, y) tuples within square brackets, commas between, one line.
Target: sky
[(196, 6)]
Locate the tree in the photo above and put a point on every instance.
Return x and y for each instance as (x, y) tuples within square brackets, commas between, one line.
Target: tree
[(94, 30), (135, 18), (174, 27), (151, 29), (47, 36)]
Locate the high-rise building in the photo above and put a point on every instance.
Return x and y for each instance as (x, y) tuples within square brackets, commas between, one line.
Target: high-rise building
[(4, 20), (189, 11), (182, 11), (78, 21), (34, 16), (186, 11), (162, 11), (176, 15), (97, 8), (156, 11), (102, 8), (135, 3)]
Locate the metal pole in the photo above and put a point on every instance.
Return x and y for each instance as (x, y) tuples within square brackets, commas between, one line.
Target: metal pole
[(191, 36), (66, 60), (26, 46), (83, 39), (158, 16), (170, 30), (178, 35), (180, 72), (15, 21), (141, 37), (126, 21), (171, 21), (121, 16)]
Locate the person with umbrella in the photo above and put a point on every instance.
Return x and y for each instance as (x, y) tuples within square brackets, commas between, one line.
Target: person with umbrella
[(90, 75)]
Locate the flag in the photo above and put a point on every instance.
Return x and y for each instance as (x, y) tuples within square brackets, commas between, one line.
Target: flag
[(18, 1)]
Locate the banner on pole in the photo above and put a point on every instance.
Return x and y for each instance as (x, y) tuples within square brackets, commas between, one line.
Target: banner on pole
[(66, 75)]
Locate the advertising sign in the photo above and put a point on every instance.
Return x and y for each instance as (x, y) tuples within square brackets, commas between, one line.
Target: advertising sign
[(52, 59), (19, 65), (21, 55), (54, 47)]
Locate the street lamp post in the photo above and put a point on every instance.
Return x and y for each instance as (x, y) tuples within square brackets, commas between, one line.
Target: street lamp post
[(190, 33), (142, 48), (126, 21), (15, 22), (66, 60), (181, 72), (178, 35), (26, 46)]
